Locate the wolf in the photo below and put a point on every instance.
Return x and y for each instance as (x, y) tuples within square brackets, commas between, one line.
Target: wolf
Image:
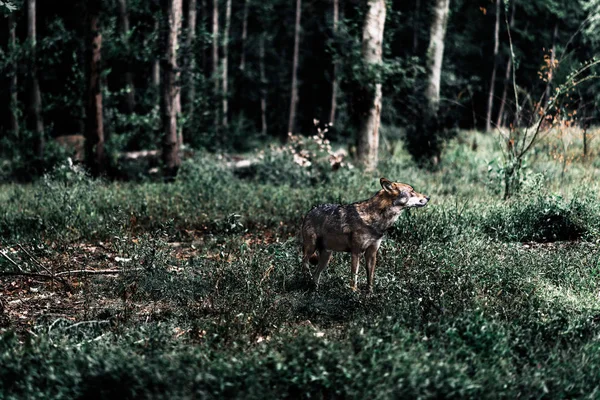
[(356, 228)]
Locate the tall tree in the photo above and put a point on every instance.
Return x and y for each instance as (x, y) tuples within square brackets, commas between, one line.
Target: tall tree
[(415, 23), (215, 56), (294, 94), (190, 69), (508, 68), (263, 85), (490, 104), (435, 54), (172, 13), (334, 82), (35, 122), (244, 34), (156, 66), (225, 62), (124, 28), (14, 105), (94, 128), (372, 50)]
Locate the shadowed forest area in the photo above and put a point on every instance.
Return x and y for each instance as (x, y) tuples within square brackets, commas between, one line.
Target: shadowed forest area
[(157, 159)]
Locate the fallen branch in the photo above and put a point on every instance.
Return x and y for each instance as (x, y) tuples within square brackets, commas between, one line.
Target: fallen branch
[(73, 272), (11, 260), (97, 271)]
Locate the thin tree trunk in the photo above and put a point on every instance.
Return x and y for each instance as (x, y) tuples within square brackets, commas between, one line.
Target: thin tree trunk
[(172, 13), (190, 70), (94, 128), (156, 67), (215, 57), (372, 51), (14, 105), (245, 34), (36, 123), (226, 61), (552, 61), (490, 105), (435, 54), (416, 26), (334, 83), (129, 84), (294, 94), (263, 85), (204, 58), (500, 119)]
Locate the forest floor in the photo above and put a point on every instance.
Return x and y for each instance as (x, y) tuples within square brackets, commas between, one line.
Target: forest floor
[(193, 288)]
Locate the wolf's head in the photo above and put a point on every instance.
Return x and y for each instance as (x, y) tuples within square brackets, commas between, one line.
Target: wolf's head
[(403, 195)]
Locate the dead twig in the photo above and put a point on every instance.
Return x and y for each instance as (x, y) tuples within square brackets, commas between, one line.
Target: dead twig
[(97, 271), (3, 253)]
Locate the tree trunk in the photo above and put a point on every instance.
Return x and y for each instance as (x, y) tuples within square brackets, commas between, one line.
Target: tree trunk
[(215, 57), (334, 83), (36, 123), (416, 26), (13, 89), (190, 70), (156, 66), (372, 50), (294, 94), (172, 13), (500, 119), (263, 85), (226, 61), (435, 54), (129, 85), (245, 34), (490, 105), (94, 128), (552, 61)]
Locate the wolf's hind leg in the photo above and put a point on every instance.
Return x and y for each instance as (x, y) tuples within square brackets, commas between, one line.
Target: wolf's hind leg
[(309, 247), (324, 257)]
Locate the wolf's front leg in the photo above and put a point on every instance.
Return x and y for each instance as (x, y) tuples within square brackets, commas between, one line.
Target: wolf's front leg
[(371, 259)]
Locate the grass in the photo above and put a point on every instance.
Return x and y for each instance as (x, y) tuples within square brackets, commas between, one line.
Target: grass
[(474, 297)]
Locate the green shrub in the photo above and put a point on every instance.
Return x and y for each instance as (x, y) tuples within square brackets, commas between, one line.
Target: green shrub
[(541, 219)]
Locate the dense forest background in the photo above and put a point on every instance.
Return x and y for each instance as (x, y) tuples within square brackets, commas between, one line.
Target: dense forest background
[(237, 82)]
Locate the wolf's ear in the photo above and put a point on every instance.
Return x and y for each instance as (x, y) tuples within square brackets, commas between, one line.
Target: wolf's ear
[(386, 184)]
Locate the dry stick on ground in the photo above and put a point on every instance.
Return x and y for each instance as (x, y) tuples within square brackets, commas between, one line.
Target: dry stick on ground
[(11, 261), (35, 261)]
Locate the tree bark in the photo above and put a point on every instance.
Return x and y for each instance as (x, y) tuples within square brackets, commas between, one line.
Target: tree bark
[(226, 61), (435, 54), (416, 26), (156, 65), (13, 89), (94, 128), (263, 85), (334, 82), (372, 51), (190, 68), (215, 57), (245, 34), (36, 123), (294, 93), (490, 105), (500, 119), (552, 60), (172, 13), (129, 84)]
